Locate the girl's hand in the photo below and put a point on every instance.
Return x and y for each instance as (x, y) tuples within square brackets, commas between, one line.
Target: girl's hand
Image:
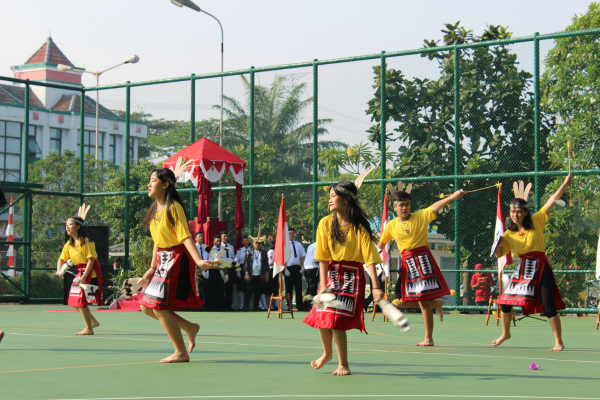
[(377, 294), (568, 179), (206, 264), (147, 277), (458, 194)]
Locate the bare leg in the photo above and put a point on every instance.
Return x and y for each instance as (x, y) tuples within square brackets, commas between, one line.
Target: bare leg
[(1, 335), (427, 323), (190, 328), (169, 322), (438, 304), (556, 326), (326, 337), (87, 318), (95, 322), (341, 346), (506, 321)]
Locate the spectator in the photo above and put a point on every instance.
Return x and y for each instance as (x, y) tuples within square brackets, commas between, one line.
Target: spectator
[(311, 273), (293, 270), (482, 284), (256, 272)]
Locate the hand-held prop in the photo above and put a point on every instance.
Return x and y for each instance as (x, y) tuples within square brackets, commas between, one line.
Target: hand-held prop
[(395, 316), (569, 154)]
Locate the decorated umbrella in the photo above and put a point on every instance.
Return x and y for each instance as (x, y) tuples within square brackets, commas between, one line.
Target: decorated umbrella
[(210, 162)]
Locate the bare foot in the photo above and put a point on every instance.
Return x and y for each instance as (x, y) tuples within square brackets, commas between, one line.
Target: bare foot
[(342, 370), (95, 323), (438, 304), (1, 336), (501, 339), (558, 347), (85, 332), (324, 359), (192, 336), (175, 358), (425, 343)]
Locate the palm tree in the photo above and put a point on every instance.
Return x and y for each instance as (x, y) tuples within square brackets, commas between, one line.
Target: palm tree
[(279, 121)]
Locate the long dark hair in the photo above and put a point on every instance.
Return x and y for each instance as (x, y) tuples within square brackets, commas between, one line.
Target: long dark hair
[(167, 176), (357, 216), (83, 236), (527, 221)]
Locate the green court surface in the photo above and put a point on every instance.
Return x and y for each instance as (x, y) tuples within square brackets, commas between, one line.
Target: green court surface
[(246, 355)]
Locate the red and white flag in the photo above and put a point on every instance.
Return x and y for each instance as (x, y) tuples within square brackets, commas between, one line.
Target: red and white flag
[(598, 258), (500, 229), (385, 253), (10, 231), (282, 242)]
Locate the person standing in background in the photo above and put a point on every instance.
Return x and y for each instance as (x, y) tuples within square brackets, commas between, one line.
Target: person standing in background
[(293, 274), (229, 272), (240, 257), (311, 273), (482, 284), (215, 283)]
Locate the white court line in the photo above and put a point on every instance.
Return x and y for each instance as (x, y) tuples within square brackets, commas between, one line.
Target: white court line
[(438, 396), (319, 347)]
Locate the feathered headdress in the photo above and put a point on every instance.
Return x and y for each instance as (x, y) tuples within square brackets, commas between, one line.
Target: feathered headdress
[(400, 188)]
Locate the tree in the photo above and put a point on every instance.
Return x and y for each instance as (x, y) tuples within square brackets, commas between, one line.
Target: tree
[(496, 120), (60, 173), (278, 122)]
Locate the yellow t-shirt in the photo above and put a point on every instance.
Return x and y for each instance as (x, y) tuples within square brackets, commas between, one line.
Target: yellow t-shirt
[(79, 254), (356, 247), (412, 234), (532, 240), (163, 234)]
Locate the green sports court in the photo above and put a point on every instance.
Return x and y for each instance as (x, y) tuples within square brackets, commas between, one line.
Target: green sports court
[(246, 355)]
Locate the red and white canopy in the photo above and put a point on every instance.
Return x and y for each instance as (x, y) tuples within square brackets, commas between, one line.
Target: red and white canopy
[(212, 159)]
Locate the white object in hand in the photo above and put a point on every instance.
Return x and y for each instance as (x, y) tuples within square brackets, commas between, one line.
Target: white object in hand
[(130, 287), (395, 316), (326, 300), (225, 263), (68, 264), (89, 291), (560, 202)]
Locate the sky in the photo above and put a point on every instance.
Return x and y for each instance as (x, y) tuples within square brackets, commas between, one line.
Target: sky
[(174, 42)]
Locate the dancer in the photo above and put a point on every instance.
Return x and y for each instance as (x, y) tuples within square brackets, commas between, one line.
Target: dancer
[(2, 204), (343, 244), (81, 250), (171, 278), (421, 282), (532, 285)]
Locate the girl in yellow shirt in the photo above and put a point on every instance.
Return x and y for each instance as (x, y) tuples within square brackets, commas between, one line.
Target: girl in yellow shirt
[(172, 275), (344, 243), (82, 253), (532, 285)]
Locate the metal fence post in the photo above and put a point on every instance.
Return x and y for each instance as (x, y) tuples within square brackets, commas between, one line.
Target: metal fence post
[(251, 155), (536, 130), (127, 161), (457, 253), (315, 160), (192, 133), (28, 198), (382, 83), (81, 129)]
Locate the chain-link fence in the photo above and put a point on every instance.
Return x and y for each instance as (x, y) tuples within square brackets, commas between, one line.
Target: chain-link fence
[(470, 114)]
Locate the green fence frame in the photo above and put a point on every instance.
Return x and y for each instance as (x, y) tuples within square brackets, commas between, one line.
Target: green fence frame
[(315, 183)]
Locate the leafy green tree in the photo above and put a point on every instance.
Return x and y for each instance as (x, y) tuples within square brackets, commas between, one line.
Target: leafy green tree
[(60, 173)]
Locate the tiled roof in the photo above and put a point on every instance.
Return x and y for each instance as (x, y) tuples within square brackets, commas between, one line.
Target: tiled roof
[(71, 103), (16, 95), (49, 53)]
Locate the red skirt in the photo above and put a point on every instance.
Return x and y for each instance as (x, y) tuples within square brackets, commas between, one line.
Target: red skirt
[(421, 277), (77, 296), (345, 279), (524, 285), (174, 285)]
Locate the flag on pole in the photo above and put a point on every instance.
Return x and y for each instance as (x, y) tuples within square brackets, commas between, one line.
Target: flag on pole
[(282, 241), (385, 253), (598, 258), (10, 237), (500, 229)]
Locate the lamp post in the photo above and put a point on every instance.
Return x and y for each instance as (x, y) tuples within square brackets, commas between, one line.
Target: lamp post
[(194, 6), (62, 67)]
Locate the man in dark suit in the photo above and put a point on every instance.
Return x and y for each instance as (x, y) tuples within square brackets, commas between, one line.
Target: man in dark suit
[(256, 270)]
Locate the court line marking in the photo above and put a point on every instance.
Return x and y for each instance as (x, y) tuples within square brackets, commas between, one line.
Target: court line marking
[(445, 396), (319, 347)]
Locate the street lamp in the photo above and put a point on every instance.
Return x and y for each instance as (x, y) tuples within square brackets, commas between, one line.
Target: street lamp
[(193, 6), (62, 67)]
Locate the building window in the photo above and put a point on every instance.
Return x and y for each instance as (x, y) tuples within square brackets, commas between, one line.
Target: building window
[(10, 151), (89, 143), (55, 141), (112, 148), (35, 140)]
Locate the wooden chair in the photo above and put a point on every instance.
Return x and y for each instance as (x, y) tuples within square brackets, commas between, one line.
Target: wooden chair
[(385, 297), (280, 302), (498, 315)]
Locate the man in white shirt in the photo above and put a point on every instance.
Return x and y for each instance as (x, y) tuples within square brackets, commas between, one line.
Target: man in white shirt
[(216, 287), (311, 273), (240, 257), (203, 283), (256, 272), (229, 272), (293, 269)]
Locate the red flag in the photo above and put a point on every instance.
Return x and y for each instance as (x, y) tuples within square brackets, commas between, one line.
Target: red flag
[(385, 253), (10, 235), (500, 229), (282, 242)]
